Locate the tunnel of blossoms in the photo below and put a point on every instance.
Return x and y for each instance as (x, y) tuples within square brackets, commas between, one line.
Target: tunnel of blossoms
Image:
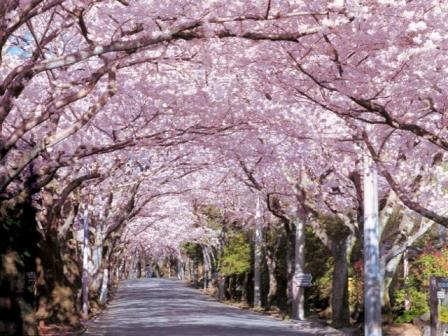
[(230, 144)]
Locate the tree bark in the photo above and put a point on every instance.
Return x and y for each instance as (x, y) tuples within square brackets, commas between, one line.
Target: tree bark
[(207, 266), (290, 266), (18, 251), (407, 302), (55, 297), (272, 294), (244, 292), (104, 286), (389, 271), (339, 298), (221, 288)]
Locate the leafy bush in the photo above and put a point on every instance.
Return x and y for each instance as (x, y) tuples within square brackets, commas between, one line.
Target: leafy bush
[(418, 300), (236, 255), (429, 263), (443, 315), (193, 251)]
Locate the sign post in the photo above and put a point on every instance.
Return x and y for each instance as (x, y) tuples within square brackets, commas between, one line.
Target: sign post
[(438, 287), (433, 305)]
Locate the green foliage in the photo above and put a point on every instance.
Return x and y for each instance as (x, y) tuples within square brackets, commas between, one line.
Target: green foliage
[(324, 282), (320, 264), (429, 263), (9, 224), (236, 255), (193, 251), (443, 315), (418, 300), (435, 263)]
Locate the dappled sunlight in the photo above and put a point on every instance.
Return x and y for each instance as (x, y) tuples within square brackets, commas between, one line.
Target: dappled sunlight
[(9, 263), (59, 306), (167, 307)]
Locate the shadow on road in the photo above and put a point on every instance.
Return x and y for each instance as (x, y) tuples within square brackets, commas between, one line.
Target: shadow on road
[(163, 307)]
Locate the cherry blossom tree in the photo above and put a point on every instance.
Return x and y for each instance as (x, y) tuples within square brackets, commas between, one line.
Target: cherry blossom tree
[(125, 115)]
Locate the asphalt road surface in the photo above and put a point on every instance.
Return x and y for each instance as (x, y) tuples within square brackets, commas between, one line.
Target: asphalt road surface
[(163, 307)]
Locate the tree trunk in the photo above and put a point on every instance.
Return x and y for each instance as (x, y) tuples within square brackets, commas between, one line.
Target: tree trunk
[(244, 292), (190, 271), (180, 270), (272, 294), (195, 272), (290, 267), (388, 274), (18, 250), (156, 271), (105, 267), (207, 266), (221, 288), (55, 297), (104, 286), (230, 288), (16, 312), (407, 302), (339, 298)]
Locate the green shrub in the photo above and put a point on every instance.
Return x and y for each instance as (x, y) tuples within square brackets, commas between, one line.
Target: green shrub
[(430, 263), (418, 300), (235, 259), (443, 315)]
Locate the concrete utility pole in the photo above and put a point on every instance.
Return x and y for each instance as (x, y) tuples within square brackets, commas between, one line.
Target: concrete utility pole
[(85, 266), (257, 253), (298, 290), (372, 274)]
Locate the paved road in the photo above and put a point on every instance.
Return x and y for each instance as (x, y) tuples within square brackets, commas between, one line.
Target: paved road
[(162, 307)]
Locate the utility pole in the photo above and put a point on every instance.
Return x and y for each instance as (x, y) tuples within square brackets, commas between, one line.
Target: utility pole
[(372, 274), (298, 290), (85, 266), (257, 253)]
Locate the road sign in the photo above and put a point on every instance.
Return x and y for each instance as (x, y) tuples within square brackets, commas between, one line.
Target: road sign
[(31, 277), (303, 279), (442, 283), (441, 294), (303, 276)]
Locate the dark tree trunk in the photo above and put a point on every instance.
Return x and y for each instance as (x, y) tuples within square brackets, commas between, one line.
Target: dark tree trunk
[(55, 297), (244, 291), (271, 264), (221, 288), (18, 251), (290, 267), (230, 288), (339, 298)]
